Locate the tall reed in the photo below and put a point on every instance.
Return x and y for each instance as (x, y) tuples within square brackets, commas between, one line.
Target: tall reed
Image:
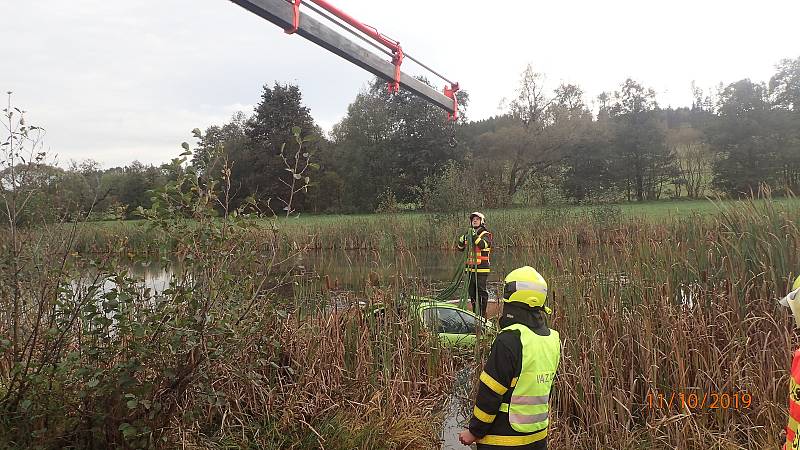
[(683, 307)]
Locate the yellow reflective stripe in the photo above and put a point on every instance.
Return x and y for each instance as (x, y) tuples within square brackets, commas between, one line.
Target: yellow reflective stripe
[(470, 269), (514, 381), (504, 407), (492, 383), (482, 416), (493, 439), (792, 425)]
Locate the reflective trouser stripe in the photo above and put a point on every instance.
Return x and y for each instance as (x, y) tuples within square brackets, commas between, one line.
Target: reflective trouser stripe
[(493, 439)]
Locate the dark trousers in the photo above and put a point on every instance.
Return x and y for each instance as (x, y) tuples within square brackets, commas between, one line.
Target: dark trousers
[(478, 292)]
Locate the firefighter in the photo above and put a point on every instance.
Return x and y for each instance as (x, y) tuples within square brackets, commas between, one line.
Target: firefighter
[(477, 265), (511, 408), (792, 300)]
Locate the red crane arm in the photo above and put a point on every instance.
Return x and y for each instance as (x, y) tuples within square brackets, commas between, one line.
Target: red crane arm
[(287, 14)]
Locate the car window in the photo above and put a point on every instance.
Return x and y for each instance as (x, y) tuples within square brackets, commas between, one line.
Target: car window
[(469, 321), (450, 321)]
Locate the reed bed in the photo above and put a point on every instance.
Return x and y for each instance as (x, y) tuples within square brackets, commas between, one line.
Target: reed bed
[(684, 305), (677, 308), (334, 381), (513, 228), (234, 353)]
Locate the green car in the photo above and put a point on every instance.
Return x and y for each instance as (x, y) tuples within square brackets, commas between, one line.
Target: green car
[(455, 327)]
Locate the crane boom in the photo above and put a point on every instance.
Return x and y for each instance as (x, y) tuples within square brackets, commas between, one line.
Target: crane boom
[(287, 16)]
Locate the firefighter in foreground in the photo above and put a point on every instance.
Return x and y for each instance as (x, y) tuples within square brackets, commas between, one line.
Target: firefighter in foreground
[(511, 408), (792, 435), (477, 265)]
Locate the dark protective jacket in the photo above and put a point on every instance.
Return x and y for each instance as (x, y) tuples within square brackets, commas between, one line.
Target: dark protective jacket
[(502, 366), (481, 242)]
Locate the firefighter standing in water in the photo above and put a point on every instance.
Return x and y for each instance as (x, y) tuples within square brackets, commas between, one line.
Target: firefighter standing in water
[(477, 266), (792, 434), (512, 406)]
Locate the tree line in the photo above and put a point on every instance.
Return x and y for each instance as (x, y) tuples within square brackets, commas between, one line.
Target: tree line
[(549, 146)]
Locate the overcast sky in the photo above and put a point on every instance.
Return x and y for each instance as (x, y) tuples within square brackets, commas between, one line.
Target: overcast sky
[(119, 80)]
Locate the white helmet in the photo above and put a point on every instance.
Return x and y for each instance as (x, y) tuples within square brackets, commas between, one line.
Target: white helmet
[(478, 214)]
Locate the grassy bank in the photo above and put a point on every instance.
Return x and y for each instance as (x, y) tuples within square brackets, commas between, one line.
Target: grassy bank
[(522, 227)]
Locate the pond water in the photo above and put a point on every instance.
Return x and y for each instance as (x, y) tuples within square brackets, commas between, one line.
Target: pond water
[(350, 270), (456, 415)]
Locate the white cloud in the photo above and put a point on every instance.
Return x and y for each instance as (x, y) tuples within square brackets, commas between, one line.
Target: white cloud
[(118, 81)]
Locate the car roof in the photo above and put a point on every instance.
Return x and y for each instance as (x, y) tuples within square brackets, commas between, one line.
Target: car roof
[(435, 304), (421, 303)]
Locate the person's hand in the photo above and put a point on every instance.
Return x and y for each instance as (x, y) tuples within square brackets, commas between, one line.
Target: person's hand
[(466, 437)]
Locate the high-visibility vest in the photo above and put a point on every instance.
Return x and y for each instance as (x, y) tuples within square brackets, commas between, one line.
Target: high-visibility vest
[(792, 434), (478, 258), (528, 410)]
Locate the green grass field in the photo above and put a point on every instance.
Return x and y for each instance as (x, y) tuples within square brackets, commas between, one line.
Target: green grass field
[(645, 210), (654, 210), (513, 227)]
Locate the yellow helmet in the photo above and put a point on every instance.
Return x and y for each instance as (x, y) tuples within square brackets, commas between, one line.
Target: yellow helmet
[(525, 285)]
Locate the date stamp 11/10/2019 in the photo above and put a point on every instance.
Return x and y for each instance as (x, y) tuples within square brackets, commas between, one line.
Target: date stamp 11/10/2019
[(699, 400)]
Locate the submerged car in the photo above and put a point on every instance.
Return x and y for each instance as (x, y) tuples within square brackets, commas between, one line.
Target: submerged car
[(454, 326)]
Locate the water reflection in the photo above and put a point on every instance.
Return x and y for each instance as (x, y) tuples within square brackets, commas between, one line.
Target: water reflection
[(154, 276), (351, 270), (456, 411)]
